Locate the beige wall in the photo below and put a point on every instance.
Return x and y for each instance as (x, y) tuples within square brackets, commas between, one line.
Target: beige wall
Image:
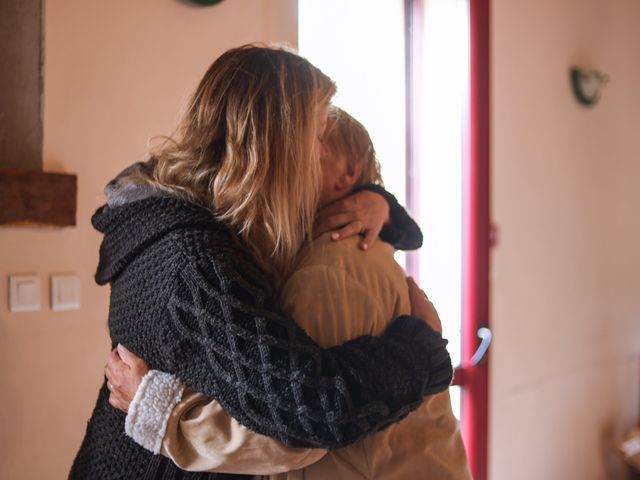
[(565, 302), (565, 281), (116, 73)]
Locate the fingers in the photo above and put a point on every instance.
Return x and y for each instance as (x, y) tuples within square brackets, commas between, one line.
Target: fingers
[(114, 368), (120, 361), (349, 230), (370, 236), (362, 212), (339, 207), (127, 357), (117, 394), (337, 214), (327, 223), (113, 364), (113, 359), (327, 213), (135, 363), (376, 205), (124, 372), (113, 376), (116, 401)]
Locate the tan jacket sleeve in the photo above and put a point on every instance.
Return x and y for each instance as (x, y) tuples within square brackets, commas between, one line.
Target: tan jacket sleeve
[(201, 436)]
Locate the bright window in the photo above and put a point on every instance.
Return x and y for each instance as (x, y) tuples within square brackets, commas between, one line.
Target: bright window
[(361, 45)]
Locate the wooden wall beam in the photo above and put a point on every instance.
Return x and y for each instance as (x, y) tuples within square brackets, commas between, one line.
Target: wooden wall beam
[(38, 198)]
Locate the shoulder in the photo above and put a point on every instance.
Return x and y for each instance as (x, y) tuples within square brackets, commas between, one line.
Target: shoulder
[(215, 264), (339, 291), (214, 245), (347, 258), (375, 270)]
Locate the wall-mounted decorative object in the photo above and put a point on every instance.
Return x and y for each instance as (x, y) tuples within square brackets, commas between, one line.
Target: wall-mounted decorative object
[(587, 85), (203, 3), (37, 198)]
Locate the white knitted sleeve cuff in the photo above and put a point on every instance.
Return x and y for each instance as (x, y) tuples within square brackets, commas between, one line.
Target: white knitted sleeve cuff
[(149, 412)]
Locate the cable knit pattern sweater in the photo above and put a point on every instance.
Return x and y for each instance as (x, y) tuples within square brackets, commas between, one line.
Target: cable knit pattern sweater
[(187, 298)]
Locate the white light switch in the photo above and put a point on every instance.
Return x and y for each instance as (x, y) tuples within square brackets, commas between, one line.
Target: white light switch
[(24, 293), (65, 292)]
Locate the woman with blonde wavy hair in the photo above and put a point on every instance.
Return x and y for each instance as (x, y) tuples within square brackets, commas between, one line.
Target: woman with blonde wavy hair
[(195, 242)]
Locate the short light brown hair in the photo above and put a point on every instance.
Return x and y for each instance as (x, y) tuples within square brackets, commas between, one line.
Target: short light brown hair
[(347, 136), (246, 149)]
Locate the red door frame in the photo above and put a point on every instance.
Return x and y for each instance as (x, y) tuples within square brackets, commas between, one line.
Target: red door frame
[(476, 216), (476, 244)]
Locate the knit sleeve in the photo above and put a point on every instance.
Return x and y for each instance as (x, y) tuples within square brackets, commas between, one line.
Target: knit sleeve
[(224, 337), (402, 232)]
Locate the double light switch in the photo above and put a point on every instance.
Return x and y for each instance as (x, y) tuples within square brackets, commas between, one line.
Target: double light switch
[(24, 293)]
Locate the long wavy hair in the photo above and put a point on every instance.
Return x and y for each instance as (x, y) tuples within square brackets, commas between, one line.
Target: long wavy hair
[(247, 149)]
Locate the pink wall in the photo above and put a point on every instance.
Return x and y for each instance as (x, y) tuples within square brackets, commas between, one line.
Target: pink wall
[(565, 284), (116, 73)]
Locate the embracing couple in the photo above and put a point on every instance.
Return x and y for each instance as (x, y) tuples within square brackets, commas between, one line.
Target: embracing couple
[(259, 329)]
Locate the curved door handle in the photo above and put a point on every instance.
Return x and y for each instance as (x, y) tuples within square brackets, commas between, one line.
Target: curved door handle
[(485, 336)]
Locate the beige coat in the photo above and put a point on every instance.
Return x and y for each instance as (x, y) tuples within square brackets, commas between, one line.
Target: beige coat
[(337, 293)]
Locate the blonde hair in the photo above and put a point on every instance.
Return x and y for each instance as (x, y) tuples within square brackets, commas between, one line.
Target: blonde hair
[(246, 149), (345, 136)]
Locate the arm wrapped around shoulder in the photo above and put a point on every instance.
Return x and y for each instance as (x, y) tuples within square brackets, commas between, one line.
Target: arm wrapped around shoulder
[(426, 350), (410, 343), (408, 362), (224, 337)]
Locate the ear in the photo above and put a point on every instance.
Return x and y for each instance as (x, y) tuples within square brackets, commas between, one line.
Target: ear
[(350, 175)]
